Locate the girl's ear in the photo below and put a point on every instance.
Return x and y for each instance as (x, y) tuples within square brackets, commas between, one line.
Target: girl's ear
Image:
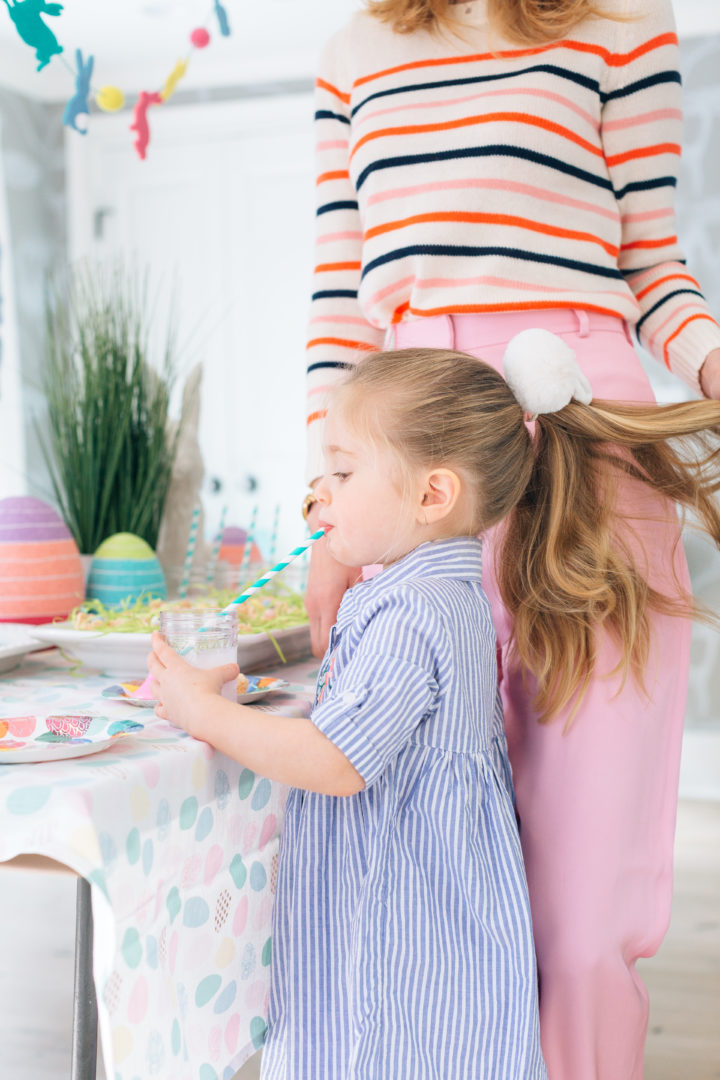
[(439, 496)]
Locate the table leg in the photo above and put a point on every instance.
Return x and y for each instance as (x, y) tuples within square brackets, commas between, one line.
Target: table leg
[(85, 1020)]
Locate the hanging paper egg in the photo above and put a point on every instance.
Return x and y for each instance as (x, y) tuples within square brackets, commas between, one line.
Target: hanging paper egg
[(200, 37), (232, 546), (110, 98), (41, 574), (125, 569)]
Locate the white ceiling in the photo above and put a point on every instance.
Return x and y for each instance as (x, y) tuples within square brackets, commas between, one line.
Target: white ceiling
[(137, 42)]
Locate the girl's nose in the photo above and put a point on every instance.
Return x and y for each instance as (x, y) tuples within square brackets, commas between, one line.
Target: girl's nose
[(322, 493)]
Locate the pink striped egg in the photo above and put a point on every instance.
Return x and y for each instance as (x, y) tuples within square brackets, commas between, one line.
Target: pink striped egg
[(41, 574)]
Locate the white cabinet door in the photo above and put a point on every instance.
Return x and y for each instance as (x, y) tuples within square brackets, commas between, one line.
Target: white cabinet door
[(221, 214)]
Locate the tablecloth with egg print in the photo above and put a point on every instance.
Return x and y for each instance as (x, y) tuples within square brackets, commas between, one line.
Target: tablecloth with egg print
[(180, 846)]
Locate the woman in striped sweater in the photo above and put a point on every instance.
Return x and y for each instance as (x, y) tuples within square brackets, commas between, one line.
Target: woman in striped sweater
[(484, 167)]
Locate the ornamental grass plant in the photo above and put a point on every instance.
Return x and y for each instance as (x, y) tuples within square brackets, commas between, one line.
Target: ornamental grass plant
[(108, 445)]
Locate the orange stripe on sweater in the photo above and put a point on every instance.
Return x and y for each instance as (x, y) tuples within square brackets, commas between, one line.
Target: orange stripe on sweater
[(613, 59), (493, 219), (486, 118), (319, 415), (345, 344), (323, 267), (322, 84), (339, 174), (521, 305), (664, 241), (645, 151), (679, 330), (662, 280)]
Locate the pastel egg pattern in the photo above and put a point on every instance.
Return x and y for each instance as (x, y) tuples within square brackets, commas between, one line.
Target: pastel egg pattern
[(41, 573), (125, 569)]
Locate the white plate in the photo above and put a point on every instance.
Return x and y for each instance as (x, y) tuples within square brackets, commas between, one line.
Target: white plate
[(15, 644), (52, 751), (124, 655), (26, 743)]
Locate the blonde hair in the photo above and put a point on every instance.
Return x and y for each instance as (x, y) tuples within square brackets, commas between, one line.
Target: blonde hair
[(527, 22), (563, 572)]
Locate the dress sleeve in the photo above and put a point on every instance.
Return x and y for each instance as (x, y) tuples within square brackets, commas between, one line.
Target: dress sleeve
[(389, 685), (338, 332), (641, 134)]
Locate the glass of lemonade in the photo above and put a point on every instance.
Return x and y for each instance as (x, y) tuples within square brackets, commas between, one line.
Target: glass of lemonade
[(206, 639)]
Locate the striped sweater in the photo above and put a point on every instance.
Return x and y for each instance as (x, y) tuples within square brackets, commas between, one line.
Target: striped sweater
[(466, 174)]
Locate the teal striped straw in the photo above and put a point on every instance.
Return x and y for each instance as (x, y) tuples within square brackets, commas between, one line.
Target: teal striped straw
[(252, 589), (189, 553), (270, 574)]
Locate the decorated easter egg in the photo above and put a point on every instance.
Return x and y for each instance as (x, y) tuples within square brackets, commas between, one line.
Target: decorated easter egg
[(124, 569), (232, 546), (41, 574)]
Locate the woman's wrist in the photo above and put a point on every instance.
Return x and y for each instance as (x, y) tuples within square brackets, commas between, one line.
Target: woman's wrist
[(709, 375)]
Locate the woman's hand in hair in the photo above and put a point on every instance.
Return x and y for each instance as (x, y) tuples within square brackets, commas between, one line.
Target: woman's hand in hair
[(710, 375), (328, 581)]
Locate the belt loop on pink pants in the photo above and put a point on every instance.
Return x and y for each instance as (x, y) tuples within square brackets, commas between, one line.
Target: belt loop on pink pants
[(583, 322)]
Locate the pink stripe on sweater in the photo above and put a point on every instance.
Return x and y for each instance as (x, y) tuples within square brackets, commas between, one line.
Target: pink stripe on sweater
[(494, 185), (658, 332), (346, 320), (642, 118), (446, 102), (320, 389), (332, 144), (504, 283), (327, 238), (648, 215)]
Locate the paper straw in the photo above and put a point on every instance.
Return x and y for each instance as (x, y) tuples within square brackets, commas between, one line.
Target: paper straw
[(249, 539), (216, 547), (189, 553), (273, 538), (262, 581)]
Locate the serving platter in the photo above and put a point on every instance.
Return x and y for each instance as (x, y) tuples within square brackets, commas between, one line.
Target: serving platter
[(124, 656), (15, 644)]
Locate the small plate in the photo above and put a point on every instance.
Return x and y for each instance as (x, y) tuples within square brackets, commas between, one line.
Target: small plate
[(59, 735), (259, 686), (15, 643), (124, 691)]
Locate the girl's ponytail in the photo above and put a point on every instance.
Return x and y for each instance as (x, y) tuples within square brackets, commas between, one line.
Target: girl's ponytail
[(563, 570)]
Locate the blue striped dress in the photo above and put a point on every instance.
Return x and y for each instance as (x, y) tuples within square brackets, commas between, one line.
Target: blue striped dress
[(402, 943)]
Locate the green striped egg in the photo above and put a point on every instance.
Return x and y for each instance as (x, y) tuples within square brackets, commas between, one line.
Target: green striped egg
[(124, 569)]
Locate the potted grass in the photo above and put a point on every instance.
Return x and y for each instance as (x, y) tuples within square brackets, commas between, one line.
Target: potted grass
[(108, 444)]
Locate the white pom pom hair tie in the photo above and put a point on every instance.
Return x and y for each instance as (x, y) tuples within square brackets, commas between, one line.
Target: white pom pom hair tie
[(542, 372)]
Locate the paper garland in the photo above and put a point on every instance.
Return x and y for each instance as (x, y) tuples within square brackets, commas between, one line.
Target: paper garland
[(27, 17)]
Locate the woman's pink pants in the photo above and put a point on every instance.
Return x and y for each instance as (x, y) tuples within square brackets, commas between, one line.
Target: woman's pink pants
[(597, 804)]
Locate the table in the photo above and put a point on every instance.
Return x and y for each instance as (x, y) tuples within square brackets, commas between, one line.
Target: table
[(178, 847)]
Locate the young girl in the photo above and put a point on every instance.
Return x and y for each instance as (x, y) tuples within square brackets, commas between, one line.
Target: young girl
[(483, 167), (402, 941)]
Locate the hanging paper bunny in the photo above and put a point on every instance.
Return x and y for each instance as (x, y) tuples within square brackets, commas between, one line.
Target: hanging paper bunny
[(29, 25), (140, 120), (78, 103), (222, 19)]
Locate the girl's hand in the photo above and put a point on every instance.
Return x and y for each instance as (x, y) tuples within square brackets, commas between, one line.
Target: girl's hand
[(184, 693), (710, 375)]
